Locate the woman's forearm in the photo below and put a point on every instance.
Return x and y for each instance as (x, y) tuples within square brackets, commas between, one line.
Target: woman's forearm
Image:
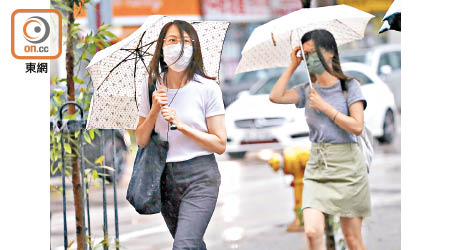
[(345, 122), (279, 89), (210, 142), (143, 132)]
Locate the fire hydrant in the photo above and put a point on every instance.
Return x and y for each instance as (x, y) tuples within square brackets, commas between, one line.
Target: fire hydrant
[(293, 162)]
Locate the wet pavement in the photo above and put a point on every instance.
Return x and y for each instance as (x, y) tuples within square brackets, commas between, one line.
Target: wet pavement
[(254, 208)]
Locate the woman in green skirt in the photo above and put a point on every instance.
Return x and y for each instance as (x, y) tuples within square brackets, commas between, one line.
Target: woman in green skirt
[(335, 180)]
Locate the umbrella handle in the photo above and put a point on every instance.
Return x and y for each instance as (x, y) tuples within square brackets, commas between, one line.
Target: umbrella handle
[(304, 59), (172, 126)]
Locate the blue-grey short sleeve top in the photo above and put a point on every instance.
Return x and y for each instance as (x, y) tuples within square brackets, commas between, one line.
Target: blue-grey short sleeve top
[(321, 127)]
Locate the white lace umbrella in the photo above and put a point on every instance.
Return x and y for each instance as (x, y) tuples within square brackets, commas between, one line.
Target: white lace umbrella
[(118, 72), (270, 44)]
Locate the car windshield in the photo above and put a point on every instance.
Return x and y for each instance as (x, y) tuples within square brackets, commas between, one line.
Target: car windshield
[(267, 86), (251, 76), (353, 58)]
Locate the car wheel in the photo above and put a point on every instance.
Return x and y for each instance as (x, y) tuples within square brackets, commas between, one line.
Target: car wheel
[(237, 155), (388, 128)]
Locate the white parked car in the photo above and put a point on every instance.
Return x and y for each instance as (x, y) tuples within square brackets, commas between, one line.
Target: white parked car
[(385, 61), (254, 122)]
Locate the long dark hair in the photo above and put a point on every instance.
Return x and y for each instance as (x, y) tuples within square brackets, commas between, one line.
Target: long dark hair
[(323, 39), (196, 64)]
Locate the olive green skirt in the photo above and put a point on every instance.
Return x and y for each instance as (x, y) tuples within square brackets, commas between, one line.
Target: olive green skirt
[(336, 180)]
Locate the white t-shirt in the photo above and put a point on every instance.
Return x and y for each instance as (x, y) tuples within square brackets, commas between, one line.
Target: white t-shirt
[(198, 99)]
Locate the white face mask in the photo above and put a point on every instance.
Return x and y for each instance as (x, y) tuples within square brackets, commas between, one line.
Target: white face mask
[(171, 54)]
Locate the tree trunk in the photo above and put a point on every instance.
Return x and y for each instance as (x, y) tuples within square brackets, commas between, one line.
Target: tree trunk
[(76, 180)]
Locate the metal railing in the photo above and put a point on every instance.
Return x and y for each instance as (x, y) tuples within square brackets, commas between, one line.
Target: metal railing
[(71, 126)]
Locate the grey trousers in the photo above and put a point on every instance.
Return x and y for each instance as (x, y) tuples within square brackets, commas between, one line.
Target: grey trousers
[(189, 191)]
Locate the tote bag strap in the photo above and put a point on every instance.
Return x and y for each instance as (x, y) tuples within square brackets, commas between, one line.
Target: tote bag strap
[(151, 89)]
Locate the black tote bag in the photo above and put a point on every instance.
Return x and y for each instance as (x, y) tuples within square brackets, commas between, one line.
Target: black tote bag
[(144, 192)]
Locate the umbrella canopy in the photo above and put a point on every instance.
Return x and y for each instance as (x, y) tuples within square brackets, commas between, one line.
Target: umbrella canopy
[(392, 18), (270, 44), (118, 71)]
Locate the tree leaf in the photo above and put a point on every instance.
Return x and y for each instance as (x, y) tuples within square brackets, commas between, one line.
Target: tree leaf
[(70, 244), (54, 188), (100, 45), (92, 49), (110, 34), (104, 27), (100, 159), (80, 45), (91, 134), (53, 169), (83, 55), (74, 29), (54, 79), (80, 97), (78, 80), (94, 174), (86, 138), (67, 148), (88, 38), (64, 7), (72, 116), (57, 99)]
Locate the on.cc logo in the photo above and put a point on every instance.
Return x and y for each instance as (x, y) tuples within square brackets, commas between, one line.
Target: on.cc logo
[(39, 26), (36, 34)]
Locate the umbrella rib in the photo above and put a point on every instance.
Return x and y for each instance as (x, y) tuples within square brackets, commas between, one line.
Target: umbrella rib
[(133, 57), (128, 59), (143, 62), (142, 59), (137, 53), (149, 44), (337, 20), (130, 50), (147, 53), (123, 60)]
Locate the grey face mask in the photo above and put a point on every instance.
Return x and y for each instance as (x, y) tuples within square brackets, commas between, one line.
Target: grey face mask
[(314, 64)]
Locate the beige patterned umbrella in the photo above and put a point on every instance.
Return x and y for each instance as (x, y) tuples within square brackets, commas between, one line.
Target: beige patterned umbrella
[(269, 45), (118, 71)]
